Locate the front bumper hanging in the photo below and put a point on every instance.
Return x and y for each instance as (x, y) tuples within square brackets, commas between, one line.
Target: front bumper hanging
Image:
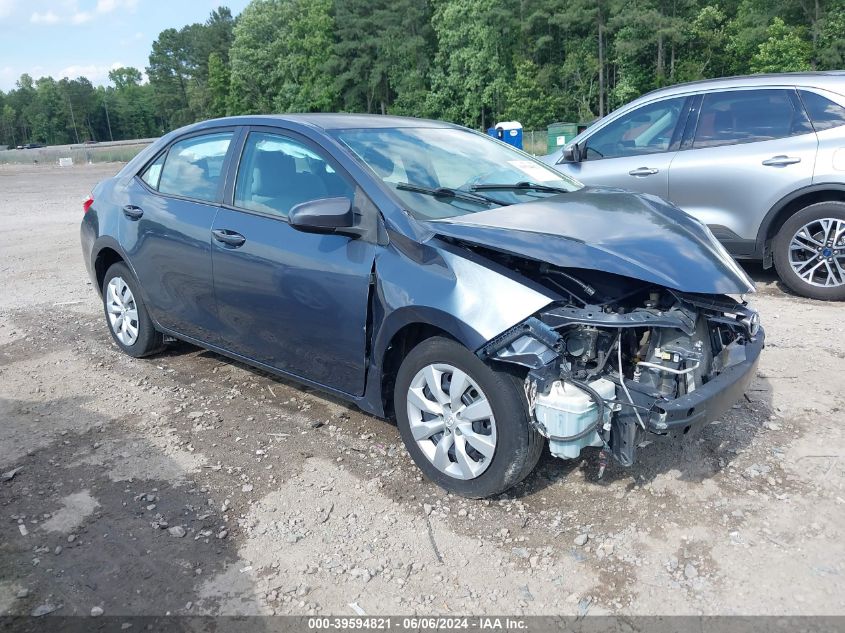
[(710, 400)]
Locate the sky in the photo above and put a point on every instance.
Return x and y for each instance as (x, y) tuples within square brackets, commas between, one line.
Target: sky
[(72, 38)]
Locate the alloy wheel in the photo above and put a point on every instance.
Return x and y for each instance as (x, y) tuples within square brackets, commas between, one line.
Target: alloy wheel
[(817, 252), (122, 311), (452, 421)]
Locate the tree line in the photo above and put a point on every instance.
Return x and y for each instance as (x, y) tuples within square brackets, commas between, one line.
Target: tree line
[(473, 62)]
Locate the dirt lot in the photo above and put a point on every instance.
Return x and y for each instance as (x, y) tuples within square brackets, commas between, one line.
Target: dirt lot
[(189, 484)]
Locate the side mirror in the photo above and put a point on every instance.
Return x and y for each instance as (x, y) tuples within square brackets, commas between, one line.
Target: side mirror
[(326, 215), (571, 154)]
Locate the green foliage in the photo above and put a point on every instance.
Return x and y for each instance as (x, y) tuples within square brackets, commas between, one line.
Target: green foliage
[(179, 67), (746, 30), (528, 100), (170, 72), (783, 51), (129, 107), (830, 52), (124, 78), (475, 45), (381, 55), (474, 62), (218, 85), (280, 56)]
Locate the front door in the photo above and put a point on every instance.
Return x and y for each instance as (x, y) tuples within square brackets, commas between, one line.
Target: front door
[(632, 151), (295, 301)]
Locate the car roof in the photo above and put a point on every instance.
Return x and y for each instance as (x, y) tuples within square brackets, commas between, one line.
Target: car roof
[(831, 79), (332, 121)]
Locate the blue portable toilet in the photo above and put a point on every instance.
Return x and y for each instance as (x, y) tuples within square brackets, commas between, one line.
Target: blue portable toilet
[(508, 131)]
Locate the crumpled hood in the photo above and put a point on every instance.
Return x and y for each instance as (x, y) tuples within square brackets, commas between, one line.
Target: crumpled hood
[(609, 230)]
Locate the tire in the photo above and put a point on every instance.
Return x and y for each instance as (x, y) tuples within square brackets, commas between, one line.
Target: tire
[(808, 227), (511, 447), (138, 337)]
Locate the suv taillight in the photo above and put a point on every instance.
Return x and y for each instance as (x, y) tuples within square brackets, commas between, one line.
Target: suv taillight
[(86, 204)]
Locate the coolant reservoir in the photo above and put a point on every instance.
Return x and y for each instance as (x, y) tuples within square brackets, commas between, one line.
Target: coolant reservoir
[(567, 410)]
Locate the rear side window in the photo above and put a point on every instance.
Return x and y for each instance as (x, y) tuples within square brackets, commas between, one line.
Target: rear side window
[(824, 113), (193, 167), (746, 116), (152, 173), (277, 173)]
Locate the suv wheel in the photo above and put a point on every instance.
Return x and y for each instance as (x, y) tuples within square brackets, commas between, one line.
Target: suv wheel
[(465, 424), (809, 251), (129, 324)]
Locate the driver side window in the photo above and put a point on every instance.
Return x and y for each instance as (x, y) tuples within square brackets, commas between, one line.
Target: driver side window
[(646, 130), (277, 173)]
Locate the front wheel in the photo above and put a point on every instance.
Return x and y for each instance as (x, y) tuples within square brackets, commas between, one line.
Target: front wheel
[(809, 251), (465, 424)]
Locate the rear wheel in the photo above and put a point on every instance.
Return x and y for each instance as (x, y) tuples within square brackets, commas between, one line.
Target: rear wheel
[(129, 323), (465, 424), (809, 251)]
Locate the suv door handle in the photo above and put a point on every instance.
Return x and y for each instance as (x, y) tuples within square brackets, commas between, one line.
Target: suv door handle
[(781, 161), (229, 238), (132, 212), (643, 171)]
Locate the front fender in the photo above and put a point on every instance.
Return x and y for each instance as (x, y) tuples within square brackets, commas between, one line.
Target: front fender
[(451, 288), (472, 298)]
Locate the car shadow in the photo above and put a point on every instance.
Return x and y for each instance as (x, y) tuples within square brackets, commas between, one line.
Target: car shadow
[(701, 454), (759, 274), (179, 348), (767, 281)]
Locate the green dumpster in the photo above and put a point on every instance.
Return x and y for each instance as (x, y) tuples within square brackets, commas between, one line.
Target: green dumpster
[(560, 134)]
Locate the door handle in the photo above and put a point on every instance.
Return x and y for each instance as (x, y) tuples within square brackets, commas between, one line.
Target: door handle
[(229, 238), (643, 171), (132, 212), (781, 161)]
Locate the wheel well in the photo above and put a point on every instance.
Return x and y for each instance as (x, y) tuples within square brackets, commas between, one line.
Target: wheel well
[(403, 341), (105, 258), (794, 206)]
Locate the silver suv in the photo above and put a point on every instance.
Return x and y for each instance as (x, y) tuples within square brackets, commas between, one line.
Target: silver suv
[(759, 159)]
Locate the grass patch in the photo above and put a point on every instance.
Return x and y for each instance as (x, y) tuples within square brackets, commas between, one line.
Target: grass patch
[(80, 155)]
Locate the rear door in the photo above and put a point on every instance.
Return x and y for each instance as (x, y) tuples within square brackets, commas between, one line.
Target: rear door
[(634, 150), (295, 301), (749, 148), (166, 231), (827, 113)]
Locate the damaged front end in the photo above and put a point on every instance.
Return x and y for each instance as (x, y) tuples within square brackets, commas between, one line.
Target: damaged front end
[(623, 359)]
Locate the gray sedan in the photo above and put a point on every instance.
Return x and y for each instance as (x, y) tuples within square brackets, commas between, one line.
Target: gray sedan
[(431, 274)]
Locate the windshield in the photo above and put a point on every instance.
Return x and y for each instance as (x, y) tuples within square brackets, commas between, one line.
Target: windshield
[(444, 172)]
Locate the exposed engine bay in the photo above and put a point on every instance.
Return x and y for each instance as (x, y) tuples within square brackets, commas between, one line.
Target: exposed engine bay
[(618, 359)]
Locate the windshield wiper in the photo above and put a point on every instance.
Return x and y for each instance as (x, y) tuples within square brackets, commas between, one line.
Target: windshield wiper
[(529, 186), (446, 192)]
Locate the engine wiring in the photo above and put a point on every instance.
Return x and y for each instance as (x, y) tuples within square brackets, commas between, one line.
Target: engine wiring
[(624, 386), (669, 370), (600, 367), (578, 350)]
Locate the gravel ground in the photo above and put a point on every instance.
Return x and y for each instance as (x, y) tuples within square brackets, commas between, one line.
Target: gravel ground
[(186, 483)]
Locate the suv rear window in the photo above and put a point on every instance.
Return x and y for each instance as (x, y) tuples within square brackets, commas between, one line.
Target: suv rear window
[(746, 116), (824, 113)]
